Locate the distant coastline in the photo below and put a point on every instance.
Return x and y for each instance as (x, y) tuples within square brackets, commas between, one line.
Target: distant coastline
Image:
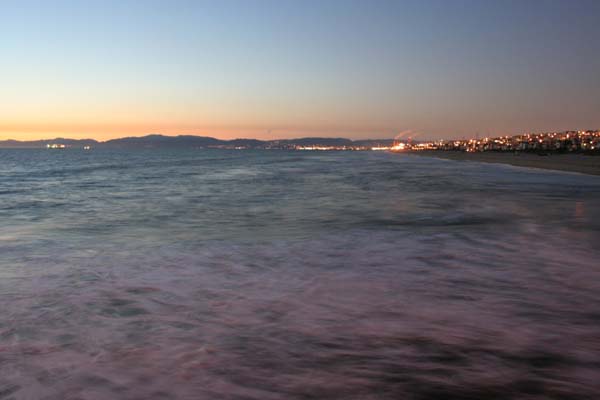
[(567, 142), (205, 142), (572, 151)]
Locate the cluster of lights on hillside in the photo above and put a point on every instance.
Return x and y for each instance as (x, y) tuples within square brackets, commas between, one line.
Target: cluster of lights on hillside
[(569, 141)]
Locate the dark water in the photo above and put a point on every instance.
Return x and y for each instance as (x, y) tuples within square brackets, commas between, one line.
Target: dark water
[(295, 275)]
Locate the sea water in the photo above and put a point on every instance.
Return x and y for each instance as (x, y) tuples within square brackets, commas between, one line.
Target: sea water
[(222, 274)]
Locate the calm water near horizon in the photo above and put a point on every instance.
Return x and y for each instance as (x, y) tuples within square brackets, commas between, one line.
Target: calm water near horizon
[(217, 274)]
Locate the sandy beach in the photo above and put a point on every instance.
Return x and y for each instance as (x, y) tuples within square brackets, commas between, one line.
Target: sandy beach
[(561, 162)]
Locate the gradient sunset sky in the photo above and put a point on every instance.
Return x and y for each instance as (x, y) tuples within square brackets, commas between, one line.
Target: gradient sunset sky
[(277, 69)]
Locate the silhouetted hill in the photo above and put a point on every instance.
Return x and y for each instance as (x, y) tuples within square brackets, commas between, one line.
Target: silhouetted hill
[(190, 141), (251, 143), (164, 141)]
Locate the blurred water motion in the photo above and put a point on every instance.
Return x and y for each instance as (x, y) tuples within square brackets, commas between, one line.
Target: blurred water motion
[(170, 274)]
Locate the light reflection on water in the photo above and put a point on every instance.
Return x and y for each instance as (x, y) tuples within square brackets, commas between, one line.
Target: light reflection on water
[(275, 275)]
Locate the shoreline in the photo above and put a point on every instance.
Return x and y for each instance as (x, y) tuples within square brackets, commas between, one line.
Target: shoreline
[(580, 163)]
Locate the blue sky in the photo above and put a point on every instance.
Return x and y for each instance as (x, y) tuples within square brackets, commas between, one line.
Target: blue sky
[(296, 68)]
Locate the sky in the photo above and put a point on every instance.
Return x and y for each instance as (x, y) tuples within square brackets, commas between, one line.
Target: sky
[(281, 69)]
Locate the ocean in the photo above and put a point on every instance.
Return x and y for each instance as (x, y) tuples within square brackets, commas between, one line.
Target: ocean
[(257, 274)]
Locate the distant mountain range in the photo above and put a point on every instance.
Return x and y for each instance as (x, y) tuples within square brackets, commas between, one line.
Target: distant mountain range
[(189, 141)]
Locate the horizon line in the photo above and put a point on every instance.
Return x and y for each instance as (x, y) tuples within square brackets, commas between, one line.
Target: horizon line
[(284, 139), (188, 135)]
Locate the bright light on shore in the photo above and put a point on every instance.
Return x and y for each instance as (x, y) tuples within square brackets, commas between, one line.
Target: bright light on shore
[(395, 147)]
